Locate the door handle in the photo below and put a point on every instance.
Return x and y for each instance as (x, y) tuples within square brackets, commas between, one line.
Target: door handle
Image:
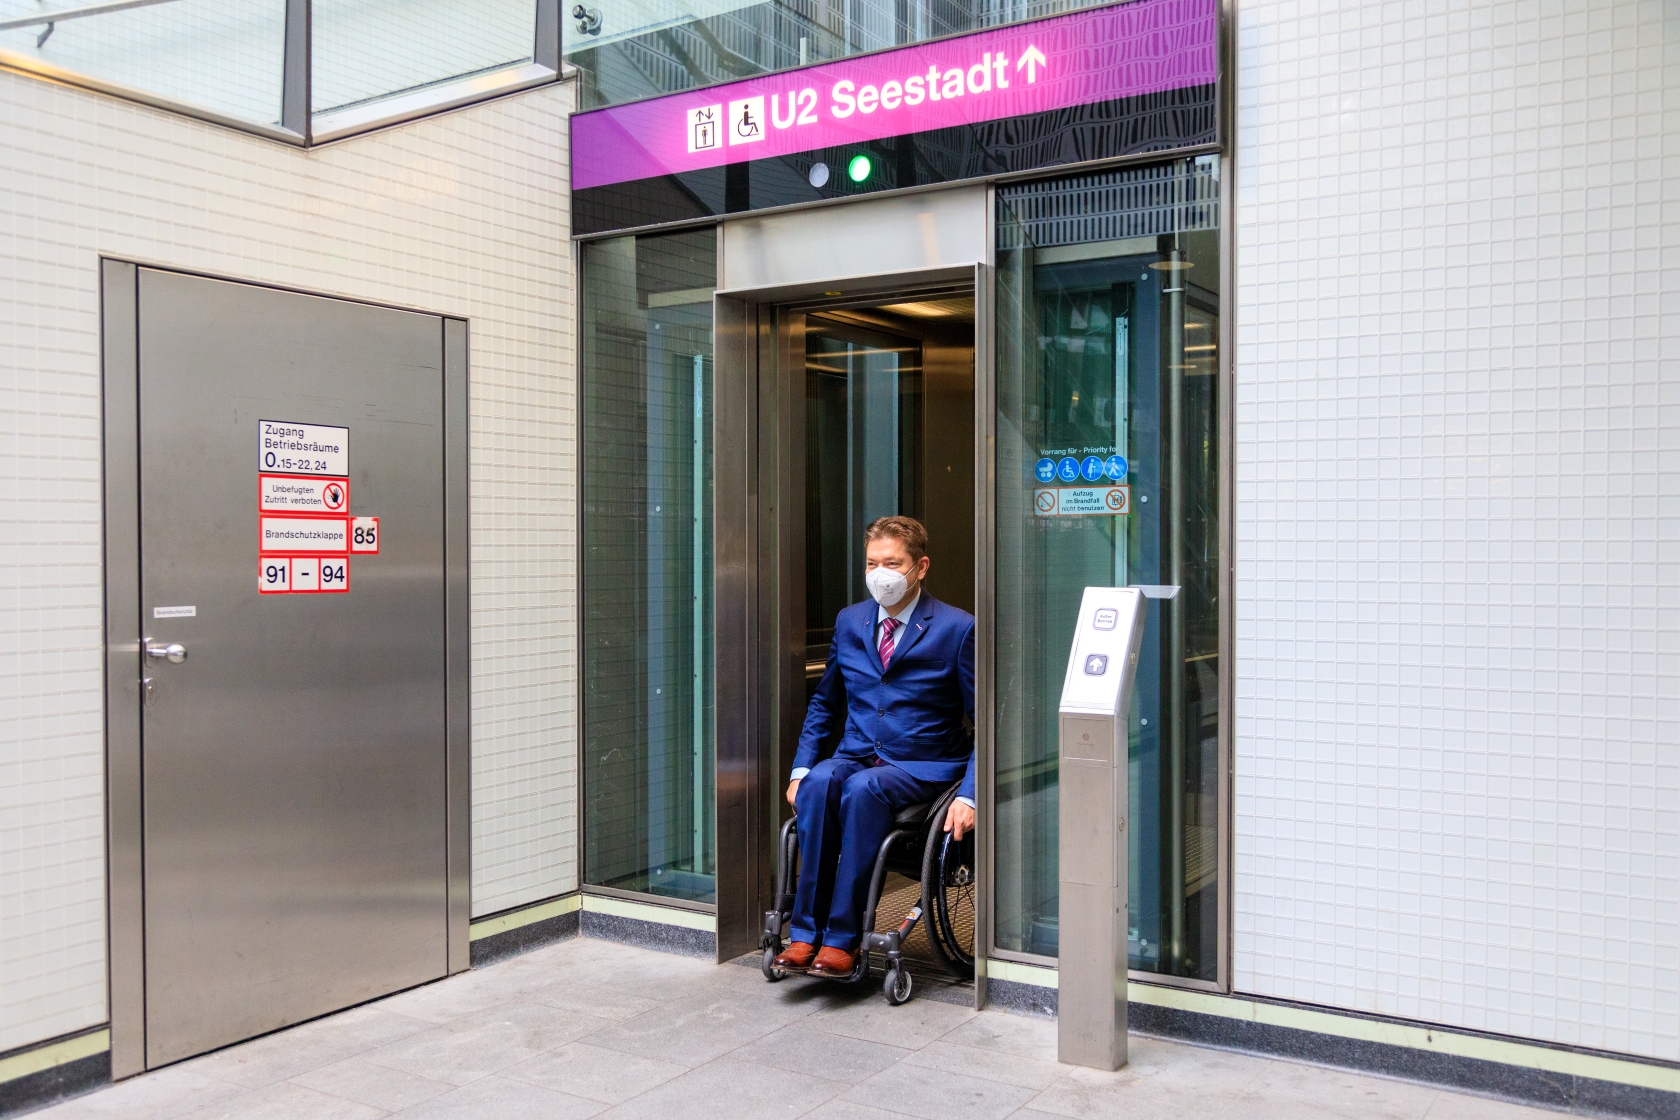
[(174, 653)]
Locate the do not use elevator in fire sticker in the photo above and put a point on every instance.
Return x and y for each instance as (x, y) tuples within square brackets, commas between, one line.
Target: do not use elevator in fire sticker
[(305, 528)]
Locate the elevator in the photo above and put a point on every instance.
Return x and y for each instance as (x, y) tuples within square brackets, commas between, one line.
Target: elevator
[(1031, 369)]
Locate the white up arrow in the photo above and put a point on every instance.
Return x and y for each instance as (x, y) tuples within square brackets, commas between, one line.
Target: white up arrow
[(1032, 60)]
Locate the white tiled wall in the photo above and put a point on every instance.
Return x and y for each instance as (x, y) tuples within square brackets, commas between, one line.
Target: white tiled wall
[(464, 214), (1458, 596)]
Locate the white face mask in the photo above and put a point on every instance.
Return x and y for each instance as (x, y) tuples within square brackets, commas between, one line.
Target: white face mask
[(886, 585)]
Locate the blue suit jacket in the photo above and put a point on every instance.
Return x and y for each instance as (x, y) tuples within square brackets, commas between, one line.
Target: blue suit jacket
[(912, 714)]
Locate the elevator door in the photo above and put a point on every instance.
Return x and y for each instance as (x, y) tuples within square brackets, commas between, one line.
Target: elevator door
[(294, 813)]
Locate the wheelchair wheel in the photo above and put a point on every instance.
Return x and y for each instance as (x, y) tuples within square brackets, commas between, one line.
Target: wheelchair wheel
[(948, 898), (897, 985), (768, 966)]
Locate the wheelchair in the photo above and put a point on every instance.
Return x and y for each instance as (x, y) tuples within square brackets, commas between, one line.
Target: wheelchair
[(918, 848)]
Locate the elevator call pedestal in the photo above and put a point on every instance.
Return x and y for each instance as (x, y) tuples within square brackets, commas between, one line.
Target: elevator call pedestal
[(1094, 730)]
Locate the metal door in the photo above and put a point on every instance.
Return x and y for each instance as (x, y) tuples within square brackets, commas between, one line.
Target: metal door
[(295, 794)]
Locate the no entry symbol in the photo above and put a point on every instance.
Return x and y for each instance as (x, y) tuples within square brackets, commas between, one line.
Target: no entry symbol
[(333, 496)]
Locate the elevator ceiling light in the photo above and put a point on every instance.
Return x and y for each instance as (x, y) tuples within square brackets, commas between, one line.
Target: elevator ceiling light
[(860, 167), (1172, 266)]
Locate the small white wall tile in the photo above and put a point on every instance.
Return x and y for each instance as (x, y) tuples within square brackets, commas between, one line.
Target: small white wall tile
[(1458, 451), (465, 214)]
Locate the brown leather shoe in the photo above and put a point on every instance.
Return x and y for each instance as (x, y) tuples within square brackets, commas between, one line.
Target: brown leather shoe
[(835, 964), (796, 957)]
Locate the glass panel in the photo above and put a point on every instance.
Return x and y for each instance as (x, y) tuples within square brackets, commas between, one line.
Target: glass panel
[(1108, 323), (367, 49), (647, 575), (227, 56), (644, 48), (863, 454)]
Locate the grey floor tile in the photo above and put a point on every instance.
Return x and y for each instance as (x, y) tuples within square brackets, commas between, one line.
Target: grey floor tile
[(992, 1065), (584, 1027), (1462, 1106), (497, 1098), (938, 1095), (368, 1026), (1162, 1078), (286, 1101), (1128, 1100), (642, 972), (819, 1054), (697, 1029), (1027, 1035), (537, 1026), (850, 1110), (477, 1045), (446, 1000), (729, 1088), (161, 1095), (359, 1080), (1298, 1089), (866, 1014), (592, 999), (276, 1057), (609, 1076)]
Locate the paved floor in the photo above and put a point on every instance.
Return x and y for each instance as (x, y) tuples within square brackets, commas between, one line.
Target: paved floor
[(591, 1028)]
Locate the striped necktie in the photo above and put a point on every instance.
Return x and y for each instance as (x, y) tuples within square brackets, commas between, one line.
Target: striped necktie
[(887, 628)]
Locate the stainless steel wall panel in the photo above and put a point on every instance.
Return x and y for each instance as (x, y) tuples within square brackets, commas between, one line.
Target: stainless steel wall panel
[(734, 529), (897, 234), (124, 835), (985, 596), (295, 771), (457, 639)]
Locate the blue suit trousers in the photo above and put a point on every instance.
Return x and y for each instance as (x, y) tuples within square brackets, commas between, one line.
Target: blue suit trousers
[(845, 808)]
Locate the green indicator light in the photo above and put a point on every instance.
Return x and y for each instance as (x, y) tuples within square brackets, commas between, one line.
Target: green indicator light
[(859, 168)]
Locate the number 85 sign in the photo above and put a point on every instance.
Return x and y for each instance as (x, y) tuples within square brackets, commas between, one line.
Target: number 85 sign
[(364, 534)]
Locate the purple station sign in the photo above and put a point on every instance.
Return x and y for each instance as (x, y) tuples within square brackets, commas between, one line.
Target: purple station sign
[(1096, 55), (1091, 85)]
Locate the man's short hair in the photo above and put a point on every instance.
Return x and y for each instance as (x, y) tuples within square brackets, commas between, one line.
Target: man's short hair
[(906, 529)]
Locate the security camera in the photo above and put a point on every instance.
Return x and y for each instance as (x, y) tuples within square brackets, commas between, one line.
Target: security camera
[(588, 19)]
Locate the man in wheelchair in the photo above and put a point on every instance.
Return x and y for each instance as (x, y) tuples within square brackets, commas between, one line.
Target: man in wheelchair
[(900, 680)]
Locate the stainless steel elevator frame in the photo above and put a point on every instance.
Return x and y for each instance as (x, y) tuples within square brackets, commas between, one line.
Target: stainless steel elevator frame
[(124, 662), (871, 248)]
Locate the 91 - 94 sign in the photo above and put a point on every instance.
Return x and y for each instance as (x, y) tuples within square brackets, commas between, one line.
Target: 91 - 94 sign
[(303, 448)]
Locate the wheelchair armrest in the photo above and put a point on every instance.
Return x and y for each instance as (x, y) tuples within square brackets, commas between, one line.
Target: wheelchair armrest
[(913, 814)]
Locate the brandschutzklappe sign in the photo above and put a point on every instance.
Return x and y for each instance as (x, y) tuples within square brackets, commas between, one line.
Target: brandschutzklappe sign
[(305, 529)]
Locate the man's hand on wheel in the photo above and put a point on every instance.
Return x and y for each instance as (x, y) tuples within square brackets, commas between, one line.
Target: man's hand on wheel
[(959, 818), (793, 790)]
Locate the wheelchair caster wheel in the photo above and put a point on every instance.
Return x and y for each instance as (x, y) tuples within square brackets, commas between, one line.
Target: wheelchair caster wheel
[(768, 967), (897, 985)]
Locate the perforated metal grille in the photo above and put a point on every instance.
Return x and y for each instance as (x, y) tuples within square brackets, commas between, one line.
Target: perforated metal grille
[(1175, 197)]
